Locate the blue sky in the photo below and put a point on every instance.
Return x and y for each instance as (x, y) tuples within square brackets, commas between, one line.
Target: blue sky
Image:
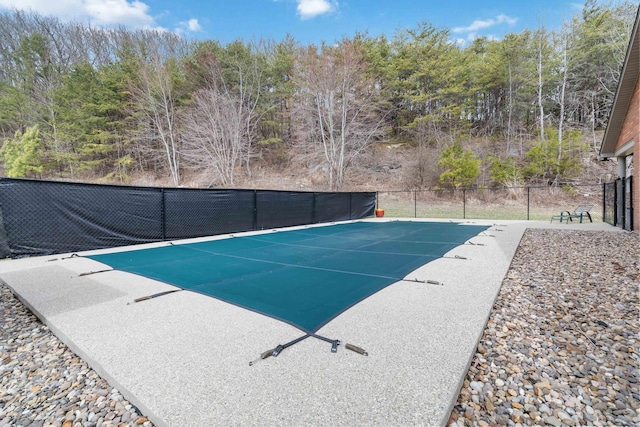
[(309, 21)]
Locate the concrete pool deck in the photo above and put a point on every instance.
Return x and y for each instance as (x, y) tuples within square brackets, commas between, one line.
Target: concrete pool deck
[(183, 359)]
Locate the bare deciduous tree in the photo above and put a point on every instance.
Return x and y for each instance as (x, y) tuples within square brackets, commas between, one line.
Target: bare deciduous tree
[(221, 123), (338, 111), (155, 96), (216, 136)]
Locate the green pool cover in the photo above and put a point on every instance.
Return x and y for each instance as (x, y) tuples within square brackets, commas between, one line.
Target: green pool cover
[(304, 277)]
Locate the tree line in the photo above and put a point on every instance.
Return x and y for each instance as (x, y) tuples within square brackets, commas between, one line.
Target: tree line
[(78, 101)]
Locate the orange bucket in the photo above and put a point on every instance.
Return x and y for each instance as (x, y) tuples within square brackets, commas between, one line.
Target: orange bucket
[(379, 213)]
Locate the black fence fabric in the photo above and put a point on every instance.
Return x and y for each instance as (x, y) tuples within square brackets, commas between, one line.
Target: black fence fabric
[(42, 217), (284, 208), (609, 203), (196, 213), (47, 217)]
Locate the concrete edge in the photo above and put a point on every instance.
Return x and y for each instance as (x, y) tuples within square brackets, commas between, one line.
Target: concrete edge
[(472, 355), (91, 362)]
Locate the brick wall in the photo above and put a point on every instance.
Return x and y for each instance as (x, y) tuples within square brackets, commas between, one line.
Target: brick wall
[(631, 131)]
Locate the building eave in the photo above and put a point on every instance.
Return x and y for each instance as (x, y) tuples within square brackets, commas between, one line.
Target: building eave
[(626, 85)]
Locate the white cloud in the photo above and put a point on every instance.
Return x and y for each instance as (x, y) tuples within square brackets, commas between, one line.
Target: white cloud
[(190, 25), (308, 9), (194, 25), (119, 12), (132, 13), (480, 24)]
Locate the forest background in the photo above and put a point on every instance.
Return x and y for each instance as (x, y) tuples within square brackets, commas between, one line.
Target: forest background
[(412, 111)]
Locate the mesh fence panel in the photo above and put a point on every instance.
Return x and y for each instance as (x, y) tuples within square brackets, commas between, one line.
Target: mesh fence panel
[(624, 193), (620, 201), (610, 203), (50, 217), (362, 205), (195, 213), (5, 250), (548, 201), (45, 217), (333, 205), (283, 208), (627, 224), (516, 203)]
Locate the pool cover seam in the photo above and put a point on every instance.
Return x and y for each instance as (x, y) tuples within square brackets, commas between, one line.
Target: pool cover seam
[(355, 250), (349, 238), (397, 279)]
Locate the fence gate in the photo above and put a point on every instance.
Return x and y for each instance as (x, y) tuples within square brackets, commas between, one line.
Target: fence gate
[(618, 203)]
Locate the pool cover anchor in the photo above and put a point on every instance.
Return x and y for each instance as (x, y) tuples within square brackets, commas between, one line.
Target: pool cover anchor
[(356, 349), (428, 281), (74, 255), (148, 297), (455, 257), (263, 356), (89, 273)]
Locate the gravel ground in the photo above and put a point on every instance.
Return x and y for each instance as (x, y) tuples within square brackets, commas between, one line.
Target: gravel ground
[(560, 348), (43, 383)]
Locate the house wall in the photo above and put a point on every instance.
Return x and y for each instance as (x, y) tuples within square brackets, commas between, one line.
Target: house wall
[(631, 132)]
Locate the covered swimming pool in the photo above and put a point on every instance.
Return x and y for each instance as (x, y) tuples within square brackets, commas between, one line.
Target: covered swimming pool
[(304, 277)]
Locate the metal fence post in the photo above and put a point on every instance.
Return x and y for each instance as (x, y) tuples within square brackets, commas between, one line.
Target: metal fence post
[(631, 203), (464, 203), (415, 203), (255, 209), (623, 197), (313, 208), (528, 205), (163, 215), (615, 203), (604, 202)]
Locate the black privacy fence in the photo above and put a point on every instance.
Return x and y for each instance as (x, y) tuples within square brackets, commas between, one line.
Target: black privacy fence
[(47, 217)]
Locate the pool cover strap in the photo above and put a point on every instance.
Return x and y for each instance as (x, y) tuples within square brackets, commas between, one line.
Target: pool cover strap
[(280, 347)]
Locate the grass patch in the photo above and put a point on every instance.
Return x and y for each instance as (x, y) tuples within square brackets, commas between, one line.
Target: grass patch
[(407, 207)]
